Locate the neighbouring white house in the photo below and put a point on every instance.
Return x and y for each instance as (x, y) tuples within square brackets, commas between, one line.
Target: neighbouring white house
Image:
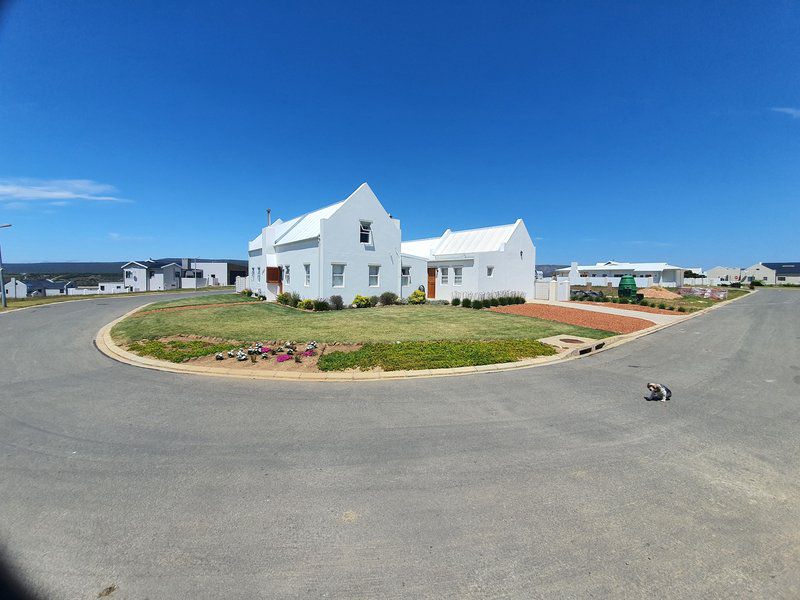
[(610, 272), (719, 275), (774, 273), (180, 273), (354, 247), (348, 248), (16, 288), (472, 262)]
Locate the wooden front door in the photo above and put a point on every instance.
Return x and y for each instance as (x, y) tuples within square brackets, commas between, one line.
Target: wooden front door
[(431, 282), (275, 276)]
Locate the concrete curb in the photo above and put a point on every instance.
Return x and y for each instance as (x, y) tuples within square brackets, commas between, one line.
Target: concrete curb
[(106, 345)]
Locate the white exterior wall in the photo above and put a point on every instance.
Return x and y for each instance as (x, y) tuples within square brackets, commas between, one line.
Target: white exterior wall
[(339, 243), (191, 283), (761, 273), (16, 289), (156, 281), (138, 280), (171, 277), (294, 256), (419, 274), (216, 273)]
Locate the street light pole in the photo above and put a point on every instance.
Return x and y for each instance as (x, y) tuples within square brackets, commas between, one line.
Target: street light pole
[(3, 281)]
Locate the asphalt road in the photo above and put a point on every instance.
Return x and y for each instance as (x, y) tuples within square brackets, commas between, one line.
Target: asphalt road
[(556, 482)]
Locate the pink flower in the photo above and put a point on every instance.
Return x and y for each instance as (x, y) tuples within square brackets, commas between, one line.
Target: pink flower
[(283, 357), (308, 353), (264, 350)]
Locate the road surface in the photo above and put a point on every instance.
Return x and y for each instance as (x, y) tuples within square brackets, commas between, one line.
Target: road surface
[(556, 482)]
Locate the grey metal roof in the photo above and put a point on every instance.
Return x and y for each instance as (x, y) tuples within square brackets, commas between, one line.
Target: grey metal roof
[(784, 268)]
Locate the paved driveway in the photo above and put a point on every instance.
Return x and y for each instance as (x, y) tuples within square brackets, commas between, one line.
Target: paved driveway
[(557, 482)]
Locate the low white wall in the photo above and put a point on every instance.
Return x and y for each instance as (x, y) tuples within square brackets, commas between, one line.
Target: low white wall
[(552, 291), (242, 284), (190, 283), (641, 282)]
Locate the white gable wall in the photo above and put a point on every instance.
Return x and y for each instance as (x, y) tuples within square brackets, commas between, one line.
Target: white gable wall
[(138, 280), (340, 244)]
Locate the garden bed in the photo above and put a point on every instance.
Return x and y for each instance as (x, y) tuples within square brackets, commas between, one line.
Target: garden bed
[(576, 316)]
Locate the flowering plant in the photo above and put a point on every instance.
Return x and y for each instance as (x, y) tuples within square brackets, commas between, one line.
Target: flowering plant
[(308, 353), (283, 358)]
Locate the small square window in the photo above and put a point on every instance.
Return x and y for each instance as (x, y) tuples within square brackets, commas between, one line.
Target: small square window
[(365, 232), (490, 271), (457, 276), (445, 275), (374, 275)]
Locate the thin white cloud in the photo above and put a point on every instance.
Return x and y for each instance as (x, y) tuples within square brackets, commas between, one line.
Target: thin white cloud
[(787, 110), (56, 191), (118, 237), (648, 243)]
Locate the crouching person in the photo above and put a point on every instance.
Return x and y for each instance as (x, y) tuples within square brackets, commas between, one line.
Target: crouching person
[(658, 392)]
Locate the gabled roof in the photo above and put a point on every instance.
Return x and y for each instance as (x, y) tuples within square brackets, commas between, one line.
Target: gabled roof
[(469, 241), (784, 268), (307, 226), (421, 248), (154, 264), (485, 239), (46, 284)]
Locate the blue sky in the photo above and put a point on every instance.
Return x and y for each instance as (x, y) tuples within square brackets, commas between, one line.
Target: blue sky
[(621, 130)]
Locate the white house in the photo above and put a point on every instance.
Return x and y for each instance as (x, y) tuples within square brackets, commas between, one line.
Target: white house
[(151, 275), (36, 287), (610, 272), (774, 273), (718, 275), (354, 247), (348, 248), (473, 262)]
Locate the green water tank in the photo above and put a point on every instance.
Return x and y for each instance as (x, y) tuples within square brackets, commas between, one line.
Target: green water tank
[(627, 287)]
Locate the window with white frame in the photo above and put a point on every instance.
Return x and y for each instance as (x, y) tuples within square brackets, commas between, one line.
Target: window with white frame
[(337, 275), (287, 274), (457, 275), (258, 279), (307, 269), (444, 275), (128, 274), (490, 271), (365, 232), (253, 272), (405, 276), (374, 275)]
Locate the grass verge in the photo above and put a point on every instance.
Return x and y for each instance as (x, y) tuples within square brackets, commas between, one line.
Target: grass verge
[(434, 355), (177, 350)]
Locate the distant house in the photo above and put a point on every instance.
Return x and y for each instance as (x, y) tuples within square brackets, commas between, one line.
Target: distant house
[(472, 262), (347, 248), (725, 275), (607, 273), (179, 273), (36, 287), (774, 273)]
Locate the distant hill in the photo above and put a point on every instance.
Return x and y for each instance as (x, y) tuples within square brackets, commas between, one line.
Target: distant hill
[(64, 267), (547, 270)]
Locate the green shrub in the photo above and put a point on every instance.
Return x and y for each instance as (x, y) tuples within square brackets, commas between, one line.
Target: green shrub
[(681, 309), (662, 305), (623, 301), (757, 283), (294, 299), (477, 304), (306, 304), (373, 300), (503, 301), (494, 302), (388, 298), (283, 298), (456, 301), (360, 301), (320, 305), (670, 308), (246, 292), (417, 297), (336, 302), (466, 303)]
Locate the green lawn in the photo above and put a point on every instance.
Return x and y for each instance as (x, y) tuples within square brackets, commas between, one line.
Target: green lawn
[(247, 322), (198, 300), (433, 355)]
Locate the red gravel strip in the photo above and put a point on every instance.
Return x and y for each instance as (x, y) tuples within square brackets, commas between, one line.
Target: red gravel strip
[(576, 316), (639, 307)]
